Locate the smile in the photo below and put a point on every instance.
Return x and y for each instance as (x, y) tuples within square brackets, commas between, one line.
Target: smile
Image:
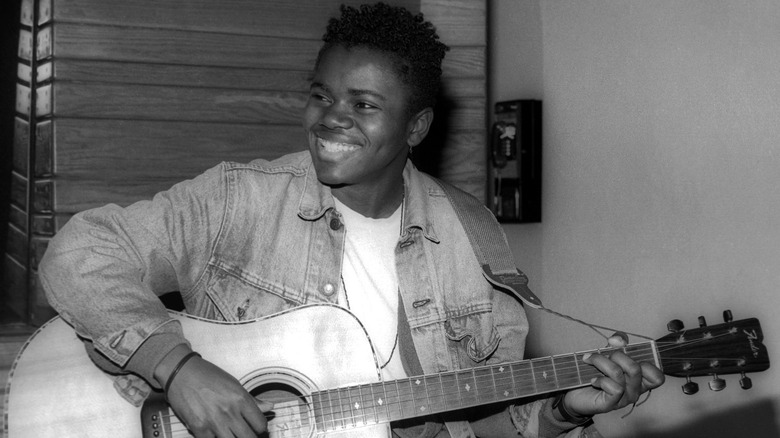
[(334, 146)]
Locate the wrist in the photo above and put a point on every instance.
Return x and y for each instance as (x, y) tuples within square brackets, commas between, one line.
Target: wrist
[(164, 369), (562, 412), (176, 370)]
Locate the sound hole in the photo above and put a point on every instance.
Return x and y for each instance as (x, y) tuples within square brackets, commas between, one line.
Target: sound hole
[(290, 416)]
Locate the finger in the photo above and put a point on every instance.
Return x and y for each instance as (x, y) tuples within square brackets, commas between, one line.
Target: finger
[(615, 380), (255, 417), (632, 376), (611, 371), (264, 406), (607, 367), (619, 339), (652, 377)]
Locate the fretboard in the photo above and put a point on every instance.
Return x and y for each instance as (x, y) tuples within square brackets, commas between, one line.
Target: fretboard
[(382, 402)]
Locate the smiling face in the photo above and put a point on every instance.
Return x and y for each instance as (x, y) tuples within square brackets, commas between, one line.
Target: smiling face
[(358, 124)]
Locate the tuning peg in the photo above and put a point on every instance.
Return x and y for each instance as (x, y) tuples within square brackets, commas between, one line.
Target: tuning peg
[(675, 325), (702, 322), (717, 384), (745, 382), (727, 316), (690, 387)]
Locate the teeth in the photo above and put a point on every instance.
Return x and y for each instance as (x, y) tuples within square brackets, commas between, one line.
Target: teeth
[(334, 146)]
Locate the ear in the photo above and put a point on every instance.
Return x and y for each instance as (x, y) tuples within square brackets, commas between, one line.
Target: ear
[(418, 126)]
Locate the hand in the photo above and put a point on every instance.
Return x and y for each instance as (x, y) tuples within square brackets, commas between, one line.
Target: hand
[(624, 380), (212, 403)]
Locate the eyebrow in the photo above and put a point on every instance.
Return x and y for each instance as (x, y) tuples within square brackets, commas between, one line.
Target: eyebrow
[(351, 91)]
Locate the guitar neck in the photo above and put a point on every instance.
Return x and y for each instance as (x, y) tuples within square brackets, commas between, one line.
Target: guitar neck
[(431, 394)]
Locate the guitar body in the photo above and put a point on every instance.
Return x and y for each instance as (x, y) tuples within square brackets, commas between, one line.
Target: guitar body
[(56, 391)]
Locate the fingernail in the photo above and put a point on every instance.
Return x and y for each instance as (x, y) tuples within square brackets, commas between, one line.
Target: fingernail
[(586, 356)]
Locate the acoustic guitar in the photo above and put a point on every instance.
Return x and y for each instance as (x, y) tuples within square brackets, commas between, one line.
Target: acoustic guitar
[(317, 364)]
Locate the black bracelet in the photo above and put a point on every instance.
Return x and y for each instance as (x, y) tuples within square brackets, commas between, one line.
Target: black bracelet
[(179, 366), (559, 404)]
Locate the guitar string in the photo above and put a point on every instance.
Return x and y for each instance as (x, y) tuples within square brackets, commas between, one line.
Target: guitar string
[(344, 416), (353, 419), (339, 414)]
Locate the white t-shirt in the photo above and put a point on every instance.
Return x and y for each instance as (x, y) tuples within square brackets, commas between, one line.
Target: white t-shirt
[(370, 282)]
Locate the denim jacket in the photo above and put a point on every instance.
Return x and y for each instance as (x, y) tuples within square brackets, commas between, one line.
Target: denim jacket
[(242, 241)]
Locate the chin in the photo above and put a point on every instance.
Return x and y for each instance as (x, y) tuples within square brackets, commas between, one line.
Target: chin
[(329, 175)]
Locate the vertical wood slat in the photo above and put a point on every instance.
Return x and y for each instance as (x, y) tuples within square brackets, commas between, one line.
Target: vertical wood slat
[(462, 24), (15, 260)]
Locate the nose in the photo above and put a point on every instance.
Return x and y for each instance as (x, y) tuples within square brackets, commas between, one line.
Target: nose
[(336, 116)]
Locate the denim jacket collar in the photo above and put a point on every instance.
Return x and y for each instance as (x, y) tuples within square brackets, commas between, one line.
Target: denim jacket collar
[(419, 213), (316, 200)]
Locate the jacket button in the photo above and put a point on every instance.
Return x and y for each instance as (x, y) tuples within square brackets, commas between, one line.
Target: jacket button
[(328, 289), (335, 224)]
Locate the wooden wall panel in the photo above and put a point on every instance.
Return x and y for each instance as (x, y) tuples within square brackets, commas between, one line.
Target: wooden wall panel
[(299, 19), (167, 46), (110, 72), (462, 158), (85, 148), (458, 22), (143, 102)]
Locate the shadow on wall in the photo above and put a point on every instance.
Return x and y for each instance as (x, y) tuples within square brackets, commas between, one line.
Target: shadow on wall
[(428, 155), (754, 420)]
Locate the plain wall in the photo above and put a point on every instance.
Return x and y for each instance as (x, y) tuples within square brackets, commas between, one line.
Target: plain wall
[(661, 183)]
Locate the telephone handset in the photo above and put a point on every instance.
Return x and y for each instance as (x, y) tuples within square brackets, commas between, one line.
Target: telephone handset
[(515, 161), (504, 146)]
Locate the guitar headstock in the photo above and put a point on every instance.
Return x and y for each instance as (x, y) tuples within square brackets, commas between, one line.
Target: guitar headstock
[(733, 347)]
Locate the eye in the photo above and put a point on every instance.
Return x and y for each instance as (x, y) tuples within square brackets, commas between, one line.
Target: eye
[(366, 106), (318, 97)]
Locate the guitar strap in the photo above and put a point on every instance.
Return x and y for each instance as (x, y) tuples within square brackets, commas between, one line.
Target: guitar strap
[(489, 243)]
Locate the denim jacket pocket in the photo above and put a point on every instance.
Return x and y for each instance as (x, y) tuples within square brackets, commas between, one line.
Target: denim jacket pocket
[(236, 299), (474, 335)]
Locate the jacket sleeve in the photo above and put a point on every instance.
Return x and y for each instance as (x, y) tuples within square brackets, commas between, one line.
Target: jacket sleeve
[(103, 272)]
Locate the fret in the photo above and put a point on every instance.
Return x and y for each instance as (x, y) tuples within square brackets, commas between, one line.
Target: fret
[(370, 415), (523, 378), (379, 393), (503, 382), (544, 374), (449, 384), (319, 412), (641, 352), (435, 389), (567, 370), (343, 409), (393, 401), (589, 372), (358, 413), (467, 390), (333, 413), (406, 398), (486, 388), (419, 395)]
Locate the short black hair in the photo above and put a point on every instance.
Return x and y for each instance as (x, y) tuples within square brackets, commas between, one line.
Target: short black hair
[(407, 37)]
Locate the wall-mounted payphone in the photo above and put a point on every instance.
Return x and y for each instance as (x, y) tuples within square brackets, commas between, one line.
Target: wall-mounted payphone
[(515, 164)]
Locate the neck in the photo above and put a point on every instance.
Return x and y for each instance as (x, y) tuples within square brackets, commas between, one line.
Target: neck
[(376, 203)]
